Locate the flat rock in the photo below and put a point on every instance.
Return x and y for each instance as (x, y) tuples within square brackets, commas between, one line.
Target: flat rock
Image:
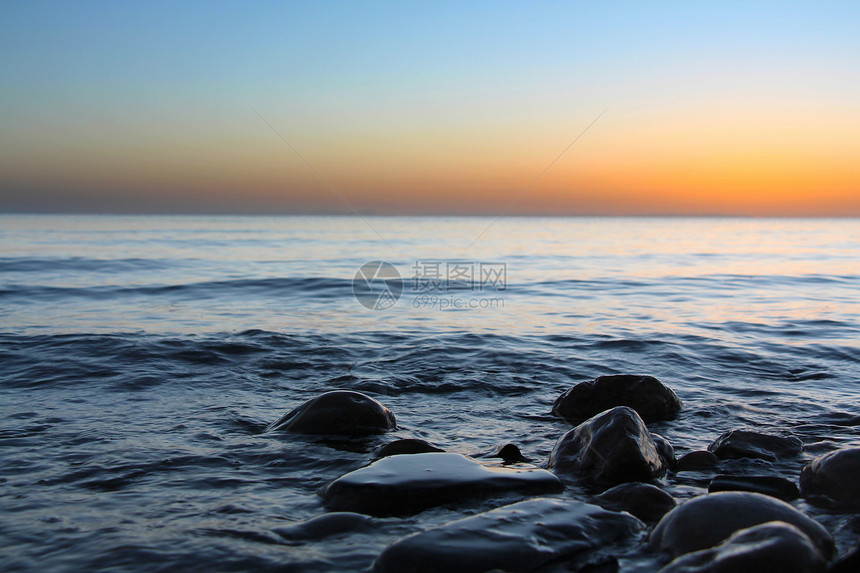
[(697, 460), (833, 479), (407, 484), (648, 396), (645, 501), (342, 412), (405, 446), (750, 444), (610, 448), (773, 546), (774, 486), (705, 521), (515, 538)]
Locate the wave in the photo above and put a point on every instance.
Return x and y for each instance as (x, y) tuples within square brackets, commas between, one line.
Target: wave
[(328, 287), (77, 264), (311, 287)]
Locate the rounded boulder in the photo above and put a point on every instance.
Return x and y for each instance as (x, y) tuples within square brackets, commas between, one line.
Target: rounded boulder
[(405, 446), (342, 412), (833, 479), (750, 444), (705, 521), (645, 501), (772, 546), (610, 448), (651, 399)]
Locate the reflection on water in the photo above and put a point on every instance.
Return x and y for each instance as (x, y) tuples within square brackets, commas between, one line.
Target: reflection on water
[(579, 274)]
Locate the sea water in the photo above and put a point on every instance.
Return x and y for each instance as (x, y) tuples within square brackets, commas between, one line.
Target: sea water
[(142, 357)]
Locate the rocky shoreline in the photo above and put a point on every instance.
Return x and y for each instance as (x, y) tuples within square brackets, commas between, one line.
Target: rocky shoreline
[(745, 523)]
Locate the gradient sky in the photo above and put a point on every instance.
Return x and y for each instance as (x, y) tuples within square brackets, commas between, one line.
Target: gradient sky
[(749, 108)]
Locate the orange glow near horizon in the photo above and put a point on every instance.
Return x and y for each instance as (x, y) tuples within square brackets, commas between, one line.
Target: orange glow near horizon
[(792, 161), (689, 168)]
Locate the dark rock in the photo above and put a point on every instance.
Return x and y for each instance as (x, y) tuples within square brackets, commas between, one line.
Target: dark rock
[(853, 524), (833, 479), (645, 501), (749, 444), (665, 450), (510, 453), (405, 446), (598, 564), (519, 537), (697, 461), (338, 412), (407, 484), (651, 399), (848, 562), (707, 520), (773, 486), (612, 447), (774, 546), (324, 526)]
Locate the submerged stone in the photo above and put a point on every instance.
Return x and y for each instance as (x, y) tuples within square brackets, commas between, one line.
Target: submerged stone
[(707, 520), (773, 486), (772, 546), (651, 399), (509, 453), (833, 479), (612, 447), (697, 460), (515, 538), (407, 484), (405, 446), (341, 412), (749, 444), (324, 526), (645, 501)]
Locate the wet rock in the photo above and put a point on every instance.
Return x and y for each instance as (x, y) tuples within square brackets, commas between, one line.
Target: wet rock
[(749, 444), (645, 501), (651, 399), (772, 546), (325, 525), (665, 450), (598, 564), (612, 447), (341, 412), (519, 537), (407, 484), (707, 520), (405, 446), (773, 486), (848, 562), (833, 479), (697, 460), (509, 453)]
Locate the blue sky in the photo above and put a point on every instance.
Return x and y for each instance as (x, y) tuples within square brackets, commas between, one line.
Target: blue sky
[(152, 106)]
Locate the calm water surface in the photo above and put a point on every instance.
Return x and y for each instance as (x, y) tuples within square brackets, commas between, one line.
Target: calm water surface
[(142, 357)]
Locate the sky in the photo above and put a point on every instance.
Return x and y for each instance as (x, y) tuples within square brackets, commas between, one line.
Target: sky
[(687, 108)]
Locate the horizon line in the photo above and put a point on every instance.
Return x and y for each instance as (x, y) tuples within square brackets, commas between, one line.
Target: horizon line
[(424, 215)]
